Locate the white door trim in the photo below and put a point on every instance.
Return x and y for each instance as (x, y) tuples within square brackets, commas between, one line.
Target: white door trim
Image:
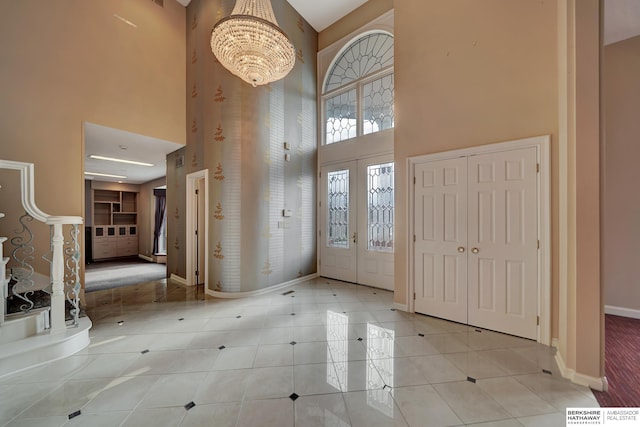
[(542, 144), (192, 209)]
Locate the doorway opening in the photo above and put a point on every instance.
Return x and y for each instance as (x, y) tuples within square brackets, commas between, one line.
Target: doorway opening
[(197, 227), (123, 173), (356, 221)]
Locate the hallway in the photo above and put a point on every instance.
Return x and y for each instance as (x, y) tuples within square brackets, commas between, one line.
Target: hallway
[(328, 353)]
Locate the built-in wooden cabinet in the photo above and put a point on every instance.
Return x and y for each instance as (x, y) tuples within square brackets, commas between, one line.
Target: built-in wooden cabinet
[(115, 219), (114, 207), (126, 240)]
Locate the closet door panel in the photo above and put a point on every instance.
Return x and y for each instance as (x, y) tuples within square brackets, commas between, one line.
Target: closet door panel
[(440, 256), (503, 238)]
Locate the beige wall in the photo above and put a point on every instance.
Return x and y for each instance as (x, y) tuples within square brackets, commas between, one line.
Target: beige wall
[(354, 20), (588, 303), (621, 234), (480, 72), (64, 62)]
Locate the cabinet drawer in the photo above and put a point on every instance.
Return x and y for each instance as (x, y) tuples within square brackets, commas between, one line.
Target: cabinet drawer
[(127, 251), (127, 242), (104, 248), (127, 246)]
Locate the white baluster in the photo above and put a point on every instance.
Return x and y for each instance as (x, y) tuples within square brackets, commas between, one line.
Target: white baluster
[(27, 185), (57, 280)]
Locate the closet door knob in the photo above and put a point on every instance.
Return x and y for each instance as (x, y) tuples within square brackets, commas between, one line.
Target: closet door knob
[(461, 249), (475, 250)]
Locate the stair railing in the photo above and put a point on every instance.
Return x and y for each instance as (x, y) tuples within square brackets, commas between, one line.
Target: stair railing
[(65, 256)]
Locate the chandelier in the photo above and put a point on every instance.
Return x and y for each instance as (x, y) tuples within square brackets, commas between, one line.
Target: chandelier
[(250, 44)]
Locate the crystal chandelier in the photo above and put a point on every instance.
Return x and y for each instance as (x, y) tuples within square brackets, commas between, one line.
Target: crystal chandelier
[(250, 44)]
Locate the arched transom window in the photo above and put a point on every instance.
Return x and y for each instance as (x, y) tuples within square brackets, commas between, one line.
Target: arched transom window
[(358, 91)]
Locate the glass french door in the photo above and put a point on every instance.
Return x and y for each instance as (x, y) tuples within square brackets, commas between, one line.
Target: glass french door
[(356, 225)]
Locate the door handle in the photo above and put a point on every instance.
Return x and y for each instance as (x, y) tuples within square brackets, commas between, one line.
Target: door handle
[(475, 250), (461, 249), (355, 237)]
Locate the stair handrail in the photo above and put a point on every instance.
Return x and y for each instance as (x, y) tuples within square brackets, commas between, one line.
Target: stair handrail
[(27, 195)]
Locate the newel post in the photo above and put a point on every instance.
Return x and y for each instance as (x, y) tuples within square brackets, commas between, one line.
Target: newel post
[(57, 280)]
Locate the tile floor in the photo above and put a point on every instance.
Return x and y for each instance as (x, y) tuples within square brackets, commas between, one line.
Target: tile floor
[(327, 354)]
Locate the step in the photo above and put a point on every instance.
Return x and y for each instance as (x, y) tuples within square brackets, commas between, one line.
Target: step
[(44, 347), (22, 325)]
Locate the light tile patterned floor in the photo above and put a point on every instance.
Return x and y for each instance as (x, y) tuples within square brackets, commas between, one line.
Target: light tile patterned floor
[(328, 354)]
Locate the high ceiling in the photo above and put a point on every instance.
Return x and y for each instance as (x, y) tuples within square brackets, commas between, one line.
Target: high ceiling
[(622, 17), (622, 21), (114, 143), (320, 14)]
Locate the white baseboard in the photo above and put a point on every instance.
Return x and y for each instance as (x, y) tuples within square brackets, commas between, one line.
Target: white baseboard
[(267, 290), (178, 279), (554, 342), (594, 383), (622, 311), (401, 307), (146, 258)]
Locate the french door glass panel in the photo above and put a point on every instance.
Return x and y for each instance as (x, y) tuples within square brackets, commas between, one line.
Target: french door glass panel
[(338, 209), (380, 207)]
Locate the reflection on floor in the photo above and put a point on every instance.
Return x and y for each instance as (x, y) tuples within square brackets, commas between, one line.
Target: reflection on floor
[(103, 275), (328, 354)]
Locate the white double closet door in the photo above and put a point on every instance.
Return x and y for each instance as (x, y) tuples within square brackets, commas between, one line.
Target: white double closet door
[(476, 240), (356, 221)]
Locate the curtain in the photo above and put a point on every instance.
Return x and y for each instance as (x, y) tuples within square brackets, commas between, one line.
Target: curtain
[(161, 205)]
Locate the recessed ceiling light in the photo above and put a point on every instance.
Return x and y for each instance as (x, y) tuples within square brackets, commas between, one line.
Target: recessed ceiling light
[(105, 174), (112, 159), (126, 21)]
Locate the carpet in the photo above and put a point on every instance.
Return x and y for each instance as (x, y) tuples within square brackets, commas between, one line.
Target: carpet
[(39, 298), (114, 274), (622, 359)]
